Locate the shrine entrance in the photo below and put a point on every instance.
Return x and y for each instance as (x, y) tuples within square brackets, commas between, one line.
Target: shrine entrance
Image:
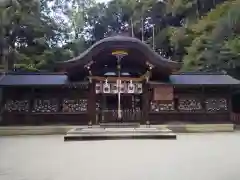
[(119, 81), (119, 102), (130, 110)]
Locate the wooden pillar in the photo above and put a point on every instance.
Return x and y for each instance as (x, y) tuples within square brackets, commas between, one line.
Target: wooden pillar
[(92, 103), (4, 112), (230, 93), (203, 101), (30, 99), (229, 103), (61, 97), (103, 108), (145, 103), (1, 104)]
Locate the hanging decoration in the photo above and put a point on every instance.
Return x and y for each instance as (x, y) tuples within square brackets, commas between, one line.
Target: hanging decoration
[(189, 104), (158, 106), (130, 88), (17, 105), (106, 87), (45, 106), (98, 88), (124, 87), (216, 104), (114, 88), (139, 88), (74, 105)]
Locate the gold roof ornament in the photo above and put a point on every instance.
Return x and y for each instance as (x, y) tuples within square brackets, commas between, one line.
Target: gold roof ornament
[(119, 53)]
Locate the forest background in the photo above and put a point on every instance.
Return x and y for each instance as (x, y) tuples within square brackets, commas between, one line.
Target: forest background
[(204, 35)]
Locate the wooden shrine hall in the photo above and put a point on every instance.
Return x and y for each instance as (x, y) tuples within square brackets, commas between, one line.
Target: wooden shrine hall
[(119, 79)]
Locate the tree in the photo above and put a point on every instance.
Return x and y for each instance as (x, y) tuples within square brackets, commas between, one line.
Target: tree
[(27, 32), (202, 34), (216, 35)]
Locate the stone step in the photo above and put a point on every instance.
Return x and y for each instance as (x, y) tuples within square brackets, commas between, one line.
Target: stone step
[(118, 133), (120, 125)]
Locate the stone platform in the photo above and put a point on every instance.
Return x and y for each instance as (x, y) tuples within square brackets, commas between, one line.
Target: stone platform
[(82, 134), (120, 125)]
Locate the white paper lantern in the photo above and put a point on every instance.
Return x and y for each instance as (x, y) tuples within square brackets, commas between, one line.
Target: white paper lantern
[(130, 88), (98, 88), (106, 87), (114, 88), (122, 87), (139, 88)]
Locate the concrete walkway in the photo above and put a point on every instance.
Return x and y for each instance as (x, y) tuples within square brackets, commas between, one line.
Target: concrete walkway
[(50, 130)]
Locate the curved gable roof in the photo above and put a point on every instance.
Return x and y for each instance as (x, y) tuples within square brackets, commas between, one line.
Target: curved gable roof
[(121, 42)]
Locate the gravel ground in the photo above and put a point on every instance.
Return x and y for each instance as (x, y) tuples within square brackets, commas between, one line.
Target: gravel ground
[(191, 157)]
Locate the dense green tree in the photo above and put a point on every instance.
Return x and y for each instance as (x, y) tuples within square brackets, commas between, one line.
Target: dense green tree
[(203, 34), (27, 33), (215, 43)]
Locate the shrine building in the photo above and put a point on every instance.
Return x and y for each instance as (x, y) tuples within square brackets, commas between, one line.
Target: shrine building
[(119, 79)]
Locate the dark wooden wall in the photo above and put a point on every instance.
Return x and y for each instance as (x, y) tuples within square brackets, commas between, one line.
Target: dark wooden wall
[(194, 115), (93, 113), (33, 94)]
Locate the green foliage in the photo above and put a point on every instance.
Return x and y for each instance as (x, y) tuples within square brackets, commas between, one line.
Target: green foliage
[(26, 32), (203, 34), (215, 46)]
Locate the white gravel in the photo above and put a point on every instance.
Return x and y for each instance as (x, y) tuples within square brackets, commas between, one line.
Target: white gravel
[(190, 157)]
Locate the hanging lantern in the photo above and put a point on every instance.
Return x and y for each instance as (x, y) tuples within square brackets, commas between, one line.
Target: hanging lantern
[(122, 87), (131, 87), (106, 87), (139, 88), (98, 88), (114, 88)]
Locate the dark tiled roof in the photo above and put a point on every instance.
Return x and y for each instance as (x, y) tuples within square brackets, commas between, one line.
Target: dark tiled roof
[(61, 79), (116, 42), (33, 79), (194, 79)]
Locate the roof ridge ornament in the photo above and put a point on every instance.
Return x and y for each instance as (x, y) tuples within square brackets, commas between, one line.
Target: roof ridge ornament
[(119, 54)]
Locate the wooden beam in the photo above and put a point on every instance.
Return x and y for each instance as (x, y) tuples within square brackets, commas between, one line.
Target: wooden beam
[(92, 103), (114, 79)]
